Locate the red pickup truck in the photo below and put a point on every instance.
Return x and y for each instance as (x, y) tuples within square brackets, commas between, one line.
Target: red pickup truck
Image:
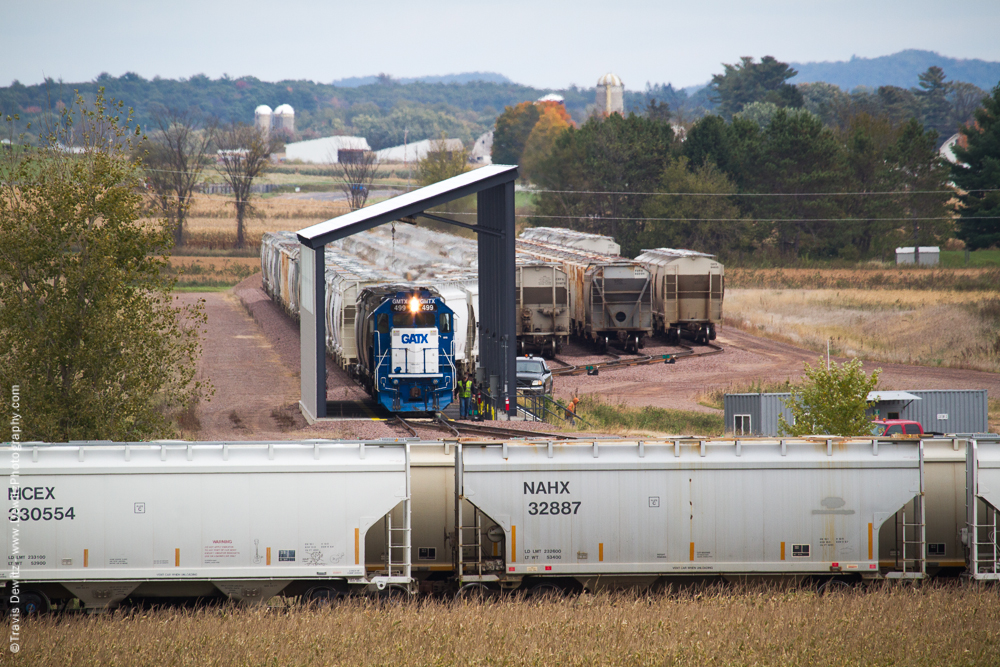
[(883, 427)]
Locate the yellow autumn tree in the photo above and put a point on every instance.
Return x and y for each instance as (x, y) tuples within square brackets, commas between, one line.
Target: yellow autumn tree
[(553, 120)]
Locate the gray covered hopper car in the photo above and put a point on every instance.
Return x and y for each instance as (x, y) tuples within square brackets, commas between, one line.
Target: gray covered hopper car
[(610, 297), (570, 238), (688, 289)]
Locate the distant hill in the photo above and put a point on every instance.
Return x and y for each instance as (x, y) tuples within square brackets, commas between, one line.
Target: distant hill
[(465, 77), (899, 69)]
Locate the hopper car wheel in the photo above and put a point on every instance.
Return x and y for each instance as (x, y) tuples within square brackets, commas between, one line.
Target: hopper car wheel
[(474, 591), (836, 587), (321, 596), (546, 590), (393, 595), (32, 603)]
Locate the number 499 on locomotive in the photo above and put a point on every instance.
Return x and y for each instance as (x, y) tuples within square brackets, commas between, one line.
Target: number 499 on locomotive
[(406, 359)]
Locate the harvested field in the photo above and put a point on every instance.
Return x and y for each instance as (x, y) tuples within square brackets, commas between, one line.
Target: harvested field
[(975, 279), (892, 625), (212, 271), (924, 327)]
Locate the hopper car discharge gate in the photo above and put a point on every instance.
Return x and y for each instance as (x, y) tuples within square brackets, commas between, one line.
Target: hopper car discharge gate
[(642, 511)]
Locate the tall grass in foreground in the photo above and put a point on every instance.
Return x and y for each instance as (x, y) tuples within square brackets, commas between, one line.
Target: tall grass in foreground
[(895, 625), (621, 418)]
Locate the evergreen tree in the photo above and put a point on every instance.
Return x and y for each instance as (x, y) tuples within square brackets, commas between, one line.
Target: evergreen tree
[(708, 142), (747, 82), (977, 175), (932, 96)]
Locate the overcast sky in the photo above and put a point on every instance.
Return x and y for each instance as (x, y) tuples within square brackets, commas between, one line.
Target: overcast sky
[(544, 44)]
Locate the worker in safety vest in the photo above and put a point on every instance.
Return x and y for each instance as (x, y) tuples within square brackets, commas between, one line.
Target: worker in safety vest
[(464, 396)]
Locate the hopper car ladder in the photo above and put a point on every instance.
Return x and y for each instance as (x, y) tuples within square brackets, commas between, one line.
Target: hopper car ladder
[(402, 566), (984, 551), (911, 546), (980, 535), (468, 554)]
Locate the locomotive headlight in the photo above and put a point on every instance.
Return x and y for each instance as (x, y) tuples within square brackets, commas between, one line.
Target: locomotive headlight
[(414, 305)]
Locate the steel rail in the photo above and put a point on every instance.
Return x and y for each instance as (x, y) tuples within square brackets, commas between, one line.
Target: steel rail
[(688, 353)]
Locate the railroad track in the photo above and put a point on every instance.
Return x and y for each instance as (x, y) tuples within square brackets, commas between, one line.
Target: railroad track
[(459, 429), (622, 362)]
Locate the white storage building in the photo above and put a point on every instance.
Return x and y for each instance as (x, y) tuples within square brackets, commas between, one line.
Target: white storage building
[(325, 150), (929, 255)]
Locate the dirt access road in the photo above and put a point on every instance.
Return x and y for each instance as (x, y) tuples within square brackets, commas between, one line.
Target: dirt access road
[(746, 358), (253, 361)]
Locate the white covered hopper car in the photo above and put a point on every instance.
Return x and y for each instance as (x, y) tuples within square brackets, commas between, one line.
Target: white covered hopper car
[(102, 522)]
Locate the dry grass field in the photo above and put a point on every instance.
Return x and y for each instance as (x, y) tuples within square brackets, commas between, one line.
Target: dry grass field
[(936, 625), (949, 328), (879, 277)]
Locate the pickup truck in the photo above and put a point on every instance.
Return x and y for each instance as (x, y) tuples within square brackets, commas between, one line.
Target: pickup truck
[(883, 427)]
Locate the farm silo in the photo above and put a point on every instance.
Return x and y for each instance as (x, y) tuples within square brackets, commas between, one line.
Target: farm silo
[(284, 118), (610, 95), (262, 118)]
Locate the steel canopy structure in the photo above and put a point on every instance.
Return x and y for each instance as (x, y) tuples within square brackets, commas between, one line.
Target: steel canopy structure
[(494, 187)]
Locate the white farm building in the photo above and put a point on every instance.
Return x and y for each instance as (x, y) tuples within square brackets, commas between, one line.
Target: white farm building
[(327, 150)]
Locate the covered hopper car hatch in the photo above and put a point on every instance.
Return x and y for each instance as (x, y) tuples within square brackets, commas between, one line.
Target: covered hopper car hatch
[(598, 515), (163, 521)]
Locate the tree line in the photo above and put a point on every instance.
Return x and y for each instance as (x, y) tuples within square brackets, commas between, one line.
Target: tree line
[(767, 177)]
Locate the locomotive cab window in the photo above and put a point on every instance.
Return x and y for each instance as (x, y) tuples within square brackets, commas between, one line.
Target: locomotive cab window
[(445, 323), (407, 320), (383, 323)]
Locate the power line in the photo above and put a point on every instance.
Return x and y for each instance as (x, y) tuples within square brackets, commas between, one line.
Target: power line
[(759, 194)]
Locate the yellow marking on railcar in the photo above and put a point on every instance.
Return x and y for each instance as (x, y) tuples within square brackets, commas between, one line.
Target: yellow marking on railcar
[(357, 546), (513, 544), (870, 543), (600, 551), (177, 557), (86, 557), (269, 555), (782, 551), (692, 551)]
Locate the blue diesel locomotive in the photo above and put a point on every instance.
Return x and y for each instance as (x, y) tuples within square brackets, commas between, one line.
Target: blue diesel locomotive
[(406, 347)]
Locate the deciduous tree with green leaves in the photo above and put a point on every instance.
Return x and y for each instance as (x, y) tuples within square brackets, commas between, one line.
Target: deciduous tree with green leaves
[(89, 330), (513, 127), (831, 401)]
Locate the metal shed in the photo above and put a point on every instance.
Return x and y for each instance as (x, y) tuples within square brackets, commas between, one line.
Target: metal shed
[(494, 187), (937, 410), (928, 255)]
